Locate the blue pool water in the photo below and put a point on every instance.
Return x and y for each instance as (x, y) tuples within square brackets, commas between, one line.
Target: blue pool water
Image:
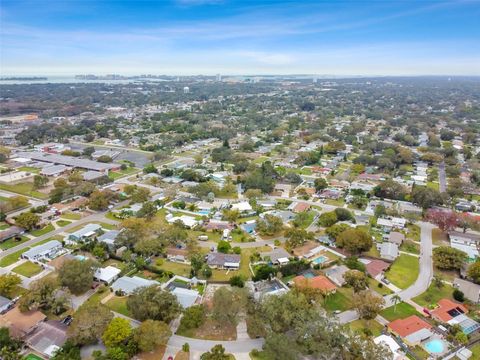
[(319, 260), (435, 346), (203, 212), (308, 275), (80, 257)]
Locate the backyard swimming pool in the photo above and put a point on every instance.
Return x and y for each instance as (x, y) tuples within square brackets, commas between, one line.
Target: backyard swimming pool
[(435, 346), (320, 260)]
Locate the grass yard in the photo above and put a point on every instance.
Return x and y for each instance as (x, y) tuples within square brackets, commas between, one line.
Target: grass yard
[(258, 355), (32, 357), (29, 169), (43, 231), (24, 189), (97, 297), (401, 311), (176, 268), (103, 225), (410, 247), (341, 300), (119, 305), (211, 330), (71, 216), (413, 232), (373, 252), (10, 243), (28, 269), (339, 202), (363, 326), (439, 237), (3, 226), (12, 258), (63, 223), (114, 175), (373, 285), (475, 351), (404, 271), (430, 297), (306, 221)]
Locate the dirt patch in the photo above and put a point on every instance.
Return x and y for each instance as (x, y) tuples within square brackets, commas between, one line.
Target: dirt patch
[(212, 330), (181, 355), (156, 354)]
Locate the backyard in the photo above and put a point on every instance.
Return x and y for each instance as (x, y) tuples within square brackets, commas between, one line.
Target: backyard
[(28, 269), (341, 300), (119, 305), (400, 311), (404, 271)]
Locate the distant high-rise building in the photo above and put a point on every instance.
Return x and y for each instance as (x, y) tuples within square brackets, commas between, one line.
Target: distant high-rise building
[(219, 77), (186, 90)]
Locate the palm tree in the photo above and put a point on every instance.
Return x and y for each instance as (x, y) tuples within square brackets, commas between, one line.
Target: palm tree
[(396, 299)]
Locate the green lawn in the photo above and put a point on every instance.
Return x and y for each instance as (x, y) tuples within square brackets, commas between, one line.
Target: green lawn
[(341, 300), (3, 226), (28, 269), (401, 311), (63, 223), (475, 351), (13, 242), (24, 189), (71, 216), (373, 285), (43, 231), (413, 232), (404, 271), (114, 175), (430, 297), (119, 305), (12, 258), (32, 357), (176, 268), (410, 246), (360, 326), (29, 169), (307, 220)]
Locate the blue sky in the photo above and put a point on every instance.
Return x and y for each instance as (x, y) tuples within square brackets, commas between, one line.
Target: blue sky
[(240, 37)]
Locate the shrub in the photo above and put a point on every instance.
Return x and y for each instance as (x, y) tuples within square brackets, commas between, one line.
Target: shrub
[(237, 281), (458, 295)]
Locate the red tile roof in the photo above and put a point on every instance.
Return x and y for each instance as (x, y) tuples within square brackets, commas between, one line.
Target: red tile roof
[(444, 306), (409, 325), (301, 206), (375, 267), (318, 282)]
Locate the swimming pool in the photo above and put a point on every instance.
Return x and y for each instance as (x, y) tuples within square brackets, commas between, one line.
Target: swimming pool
[(435, 346), (319, 260), (80, 257), (203, 212)]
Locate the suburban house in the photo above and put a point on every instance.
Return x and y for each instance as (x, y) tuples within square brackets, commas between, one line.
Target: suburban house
[(469, 289), (318, 282), (299, 207), (5, 304), (413, 330), (466, 242), (396, 237), (242, 207), (20, 323), (47, 337), (46, 251), (11, 232), (188, 221), (375, 267), (278, 256), (393, 222), (87, 232), (336, 274), (388, 250), (452, 313), (218, 225), (264, 288), (109, 238), (127, 285), (107, 274), (177, 255), (390, 343), (223, 261)]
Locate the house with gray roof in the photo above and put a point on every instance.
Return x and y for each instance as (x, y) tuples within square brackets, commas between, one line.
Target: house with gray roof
[(127, 285), (336, 274), (388, 251), (87, 232), (223, 261), (276, 256), (47, 251), (109, 237), (470, 290)]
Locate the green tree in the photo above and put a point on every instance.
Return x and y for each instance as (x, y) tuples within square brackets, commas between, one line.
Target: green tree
[(39, 181), (117, 331), (98, 200), (320, 184), (216, 353), (297, 237), (224, 247), (354, 240), (8, 283), (151, 334), (69, 351), (27, 220), (89, 323), (193, 317), (356, 279), (473, 271), (368, 304), (227, 304), (153, 303), (77, 275), (448, 258), (327, 219)]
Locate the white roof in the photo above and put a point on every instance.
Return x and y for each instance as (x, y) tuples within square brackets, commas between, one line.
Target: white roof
[(185, 297), (242, 206), (107, 274), (388, 341), (186, 220), (51, 350)]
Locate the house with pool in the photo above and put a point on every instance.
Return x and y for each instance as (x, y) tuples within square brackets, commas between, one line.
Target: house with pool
[(452, 313)]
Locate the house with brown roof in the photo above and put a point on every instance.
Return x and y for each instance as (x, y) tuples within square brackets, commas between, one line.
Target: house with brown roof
[(177, 255), (375, 266), (413, 330), (318, 282), (453, 313), (300, 207), (11, 232), (20, 323)]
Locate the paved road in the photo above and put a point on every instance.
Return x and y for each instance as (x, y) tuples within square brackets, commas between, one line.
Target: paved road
[(419, 286), (100, 216), (442, 177)]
